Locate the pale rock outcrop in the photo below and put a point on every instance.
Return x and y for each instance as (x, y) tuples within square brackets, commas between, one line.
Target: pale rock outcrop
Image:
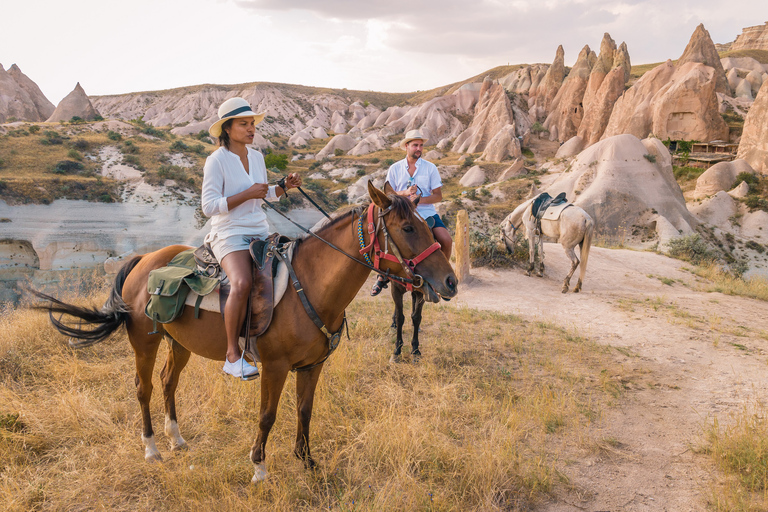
[(744, 90), (540, 100), (571, 147), (745, 64), (752, 38), (300, 138), (503, 145), (701, 49), (720, 177), (342, 141), (433, 155), (369, 144), (319, 133), (516, 169), (525, 79), (732, 75), (15, 101), (493, 114), (755, 79), (754, 139), (716, 210), (74, 104), (474, 177), (338, 123), (567, 111), (44, 107), (739, 191), (606, 84), (620, 188)]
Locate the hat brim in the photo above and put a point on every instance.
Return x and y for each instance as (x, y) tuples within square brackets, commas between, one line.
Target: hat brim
[(406, 141), (215, 129)]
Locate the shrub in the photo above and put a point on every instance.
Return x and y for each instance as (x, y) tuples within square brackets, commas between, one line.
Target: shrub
[(754, 202), (114, 136), (51, 138), (361, 172), (691, 248), (468, 162), (133, 161), (74, 154), (178, 145), (338, 152), (98, 117), (375, 160), (389, 161), (67, 167), (537, 128), (276, 161), (130, 147), (80, 144), (76, 120), (651, 158), (488, 250), (747, 177), (34, 128)]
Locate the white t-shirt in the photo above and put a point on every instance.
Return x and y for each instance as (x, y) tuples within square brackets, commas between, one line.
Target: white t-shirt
[(224, 176), (426, 177)]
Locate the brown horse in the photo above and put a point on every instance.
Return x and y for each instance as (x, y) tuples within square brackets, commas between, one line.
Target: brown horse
[(292, 342)]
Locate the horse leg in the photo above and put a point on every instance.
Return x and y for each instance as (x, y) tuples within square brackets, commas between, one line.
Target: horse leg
[(178, 357), (574, 263), (417, 304), (272, 382), (531, 252), (540, 273), (145, 350), (399, 318), (306, 382)]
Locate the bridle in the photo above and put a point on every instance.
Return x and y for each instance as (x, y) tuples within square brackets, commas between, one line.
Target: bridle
[(414, 281)]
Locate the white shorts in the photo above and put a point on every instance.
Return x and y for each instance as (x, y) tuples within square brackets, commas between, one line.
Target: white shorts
[(223, 246)]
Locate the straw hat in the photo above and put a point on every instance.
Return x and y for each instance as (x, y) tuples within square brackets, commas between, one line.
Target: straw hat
[(231, 109), (412, 135)]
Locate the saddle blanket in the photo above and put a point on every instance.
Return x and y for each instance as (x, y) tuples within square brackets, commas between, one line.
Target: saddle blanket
[(210, 302), (553, 212)]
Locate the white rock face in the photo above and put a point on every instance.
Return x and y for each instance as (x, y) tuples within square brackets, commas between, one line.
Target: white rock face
[(474, 177), (342, 141), (720, 177)]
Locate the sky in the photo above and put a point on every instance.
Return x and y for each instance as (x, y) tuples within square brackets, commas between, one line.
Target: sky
[(122, 46)]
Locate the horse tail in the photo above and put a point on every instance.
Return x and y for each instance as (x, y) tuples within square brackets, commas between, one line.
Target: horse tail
[(105, 321), (586, 242)]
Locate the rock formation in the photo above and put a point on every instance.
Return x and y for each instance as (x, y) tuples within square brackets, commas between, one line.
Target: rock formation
[(754, 139), (752, 38), (44, 107), (567, 110), (493, 115), (675, 101), (701, 49), (74, 104), (720, 177), (606, 83), (341, 141), (620, 187), (540, 99), (20, 98)]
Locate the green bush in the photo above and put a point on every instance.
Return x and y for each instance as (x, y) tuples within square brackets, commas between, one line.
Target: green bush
[(178, 145), (537, 128), (67, 167), (130, 147), (755, 202), (388, 162), (361, 172), (651, 158), (276, 161), (747, 177), (114, 136), (34, 128), (133, 161), (74, 154), (338, 152), (488, 250), (691, 248), (76, 120)]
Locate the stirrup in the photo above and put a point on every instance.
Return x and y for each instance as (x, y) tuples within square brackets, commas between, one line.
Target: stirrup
[(242, 365), (378, 286)]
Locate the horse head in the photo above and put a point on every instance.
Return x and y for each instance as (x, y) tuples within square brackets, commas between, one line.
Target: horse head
[(415, 255)]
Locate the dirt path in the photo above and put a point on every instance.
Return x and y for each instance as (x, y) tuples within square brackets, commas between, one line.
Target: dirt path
[(691, 356)]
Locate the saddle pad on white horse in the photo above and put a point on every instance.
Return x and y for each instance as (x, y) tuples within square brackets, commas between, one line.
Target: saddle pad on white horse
[(210, 302), (553, 212)]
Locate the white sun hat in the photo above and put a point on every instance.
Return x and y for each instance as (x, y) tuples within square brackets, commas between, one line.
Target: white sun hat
[(412, 135), (231, 109)]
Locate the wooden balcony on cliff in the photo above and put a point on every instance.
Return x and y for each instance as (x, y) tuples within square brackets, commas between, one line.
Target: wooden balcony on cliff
[(706, 154)]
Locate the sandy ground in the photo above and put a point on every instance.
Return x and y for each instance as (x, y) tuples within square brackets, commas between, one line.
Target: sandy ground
[(692, 356)]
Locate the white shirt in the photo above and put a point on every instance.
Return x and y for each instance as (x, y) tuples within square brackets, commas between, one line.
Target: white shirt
[(426, 177), (224, 176)]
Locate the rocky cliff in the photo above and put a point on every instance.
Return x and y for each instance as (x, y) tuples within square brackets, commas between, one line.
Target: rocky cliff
[(752, 38)]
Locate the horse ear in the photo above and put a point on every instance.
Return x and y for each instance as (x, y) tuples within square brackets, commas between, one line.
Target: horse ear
[(388, 189), (378, 197)]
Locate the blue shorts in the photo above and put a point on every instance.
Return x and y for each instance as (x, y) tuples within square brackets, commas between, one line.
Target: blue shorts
[(438, 222)]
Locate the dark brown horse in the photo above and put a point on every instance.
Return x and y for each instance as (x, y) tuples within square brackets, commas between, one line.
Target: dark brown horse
[(398, 319), (330, 281)]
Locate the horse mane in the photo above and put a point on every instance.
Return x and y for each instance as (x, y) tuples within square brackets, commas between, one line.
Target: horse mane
[(401, 206)]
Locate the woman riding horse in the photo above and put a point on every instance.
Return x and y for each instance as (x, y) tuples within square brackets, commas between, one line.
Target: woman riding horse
[(234, 185)]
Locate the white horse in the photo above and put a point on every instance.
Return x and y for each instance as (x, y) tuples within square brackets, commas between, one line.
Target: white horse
[(574, 227)]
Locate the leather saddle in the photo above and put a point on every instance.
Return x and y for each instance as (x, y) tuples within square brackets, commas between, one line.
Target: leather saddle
[(261, 301), (544, 201)]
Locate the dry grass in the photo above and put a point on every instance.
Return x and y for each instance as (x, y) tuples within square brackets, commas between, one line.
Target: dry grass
[(755, 287), (484, 422)]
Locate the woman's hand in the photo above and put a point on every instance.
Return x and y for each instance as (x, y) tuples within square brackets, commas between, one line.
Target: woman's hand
[(258, 191), (293, 180)]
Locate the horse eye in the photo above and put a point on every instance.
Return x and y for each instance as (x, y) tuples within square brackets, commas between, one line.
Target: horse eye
[(408, 229)]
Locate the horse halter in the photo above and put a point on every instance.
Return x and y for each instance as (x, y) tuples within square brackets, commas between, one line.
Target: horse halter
[(414, 281)]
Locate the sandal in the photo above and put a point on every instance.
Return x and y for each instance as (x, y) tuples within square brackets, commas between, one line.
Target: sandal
[(379, 285)]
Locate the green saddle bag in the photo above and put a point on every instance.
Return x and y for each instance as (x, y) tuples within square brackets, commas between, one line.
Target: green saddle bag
[(169, 286)]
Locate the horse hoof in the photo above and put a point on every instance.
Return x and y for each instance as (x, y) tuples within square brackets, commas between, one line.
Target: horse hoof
[(395, 358), (416, 357), (528, 274), (539, 274), (153, 458), (260, 473), (181, 447), (565, 289)]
